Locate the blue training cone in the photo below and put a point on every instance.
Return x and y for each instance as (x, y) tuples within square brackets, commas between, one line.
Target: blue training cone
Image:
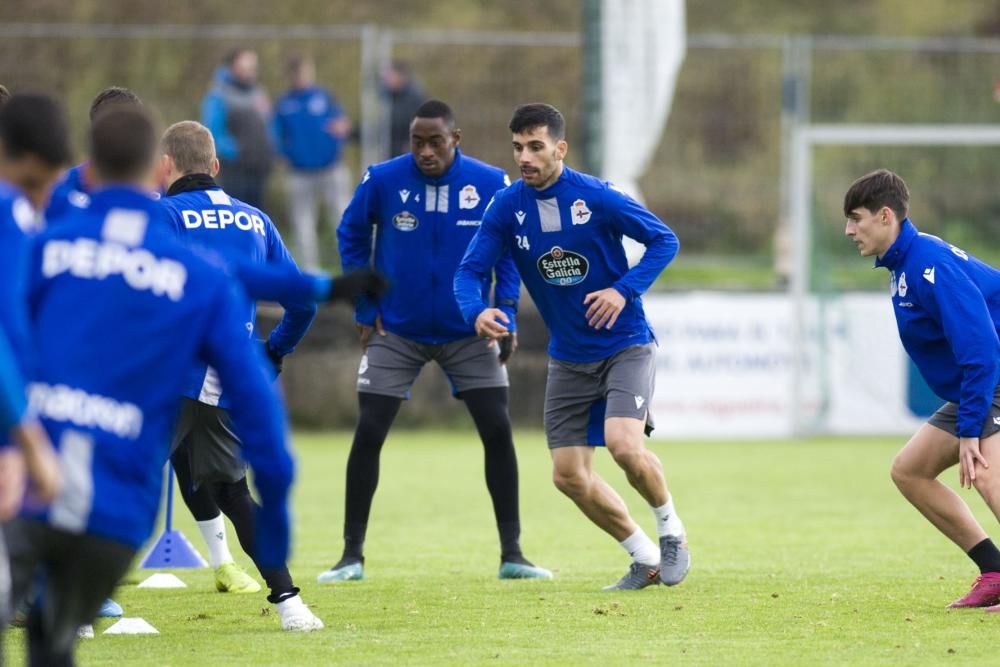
[(172, 549)]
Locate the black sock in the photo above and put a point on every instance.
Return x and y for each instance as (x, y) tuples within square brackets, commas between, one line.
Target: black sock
[(236, 503), (488, 408), (375, 416), (199, 501), (986, 556)]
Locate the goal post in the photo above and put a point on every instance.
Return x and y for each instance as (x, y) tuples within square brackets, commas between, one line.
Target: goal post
[(804, 138)]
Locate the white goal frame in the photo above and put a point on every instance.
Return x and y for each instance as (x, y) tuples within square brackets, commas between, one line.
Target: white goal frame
[(799, 186)]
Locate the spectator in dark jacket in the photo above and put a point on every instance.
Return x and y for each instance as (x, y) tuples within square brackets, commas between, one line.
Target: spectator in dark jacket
[(237, 111), (404, 95)]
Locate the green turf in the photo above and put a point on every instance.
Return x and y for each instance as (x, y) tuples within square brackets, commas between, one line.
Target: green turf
[(803, 553)]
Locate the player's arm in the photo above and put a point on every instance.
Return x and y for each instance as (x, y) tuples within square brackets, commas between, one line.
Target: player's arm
[(631, 219), (968, 326), (298, 315), (259, 420), (484, 251)]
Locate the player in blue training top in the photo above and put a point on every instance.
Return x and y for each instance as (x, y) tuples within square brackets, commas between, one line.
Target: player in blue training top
[(947, 307), (425, 207), (206, 456), (74, 188), (106, 387), (565, 231)]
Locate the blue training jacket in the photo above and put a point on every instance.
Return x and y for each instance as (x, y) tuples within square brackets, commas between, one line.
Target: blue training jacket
[(19, 222), (423, 228), (947, 306), (567, 242), (300, 120), (241, 234), (117, 304), (70, 192)]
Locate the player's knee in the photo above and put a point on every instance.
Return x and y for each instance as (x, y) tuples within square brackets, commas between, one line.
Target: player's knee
[(900, 472), (987, 483), (628, 453), (571, 482)]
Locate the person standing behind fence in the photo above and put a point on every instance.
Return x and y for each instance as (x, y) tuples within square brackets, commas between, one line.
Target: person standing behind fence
[(237, 111), (311, 128), (403, 94)]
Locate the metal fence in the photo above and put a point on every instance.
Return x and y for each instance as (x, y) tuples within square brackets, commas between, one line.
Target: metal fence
[(716, 176)]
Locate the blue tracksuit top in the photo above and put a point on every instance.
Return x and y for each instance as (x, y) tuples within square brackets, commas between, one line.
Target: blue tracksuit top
[(117, 304), (567, 242), (301, 120), (18, 224), (72, 191), (240, 234), (947, 306), (423, 228)]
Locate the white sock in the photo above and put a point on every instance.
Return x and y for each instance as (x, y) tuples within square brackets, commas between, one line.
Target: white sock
[(641, 548), (214, 532), (667, 521)]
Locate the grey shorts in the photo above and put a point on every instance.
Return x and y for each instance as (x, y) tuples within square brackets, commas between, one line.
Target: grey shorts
[(946, 418), (579, 397), (392, 363), (213, 448)]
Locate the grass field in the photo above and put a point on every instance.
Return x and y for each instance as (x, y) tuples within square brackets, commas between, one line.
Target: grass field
[(803, 553)]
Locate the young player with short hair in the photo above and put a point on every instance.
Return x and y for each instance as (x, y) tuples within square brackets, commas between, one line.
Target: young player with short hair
[(947, 307)]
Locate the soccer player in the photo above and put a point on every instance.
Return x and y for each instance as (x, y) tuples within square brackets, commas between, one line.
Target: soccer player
[(565, 231), (73, 190), (207, 451), (947, 306), (106, 389), (426, 205)]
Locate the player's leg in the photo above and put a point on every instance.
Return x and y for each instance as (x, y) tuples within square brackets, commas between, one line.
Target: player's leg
[(574, 417), (931, 451), (629, 382), (387, 370), (303, 213), (478, 377)]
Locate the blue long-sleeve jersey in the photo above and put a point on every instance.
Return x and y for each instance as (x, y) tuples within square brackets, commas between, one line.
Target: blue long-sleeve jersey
[(947, 307), (117, 304), (71, 192), (12, 396), (301, 119), (240, 234), (423, 227), (567, 242), (18, 224)]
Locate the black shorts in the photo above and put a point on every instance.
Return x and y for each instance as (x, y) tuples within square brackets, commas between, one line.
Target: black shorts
[(213, 448), (946, 418)]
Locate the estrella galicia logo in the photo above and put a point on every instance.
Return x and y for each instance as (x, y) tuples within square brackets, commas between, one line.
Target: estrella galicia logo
[(563, 267), (405, 221)]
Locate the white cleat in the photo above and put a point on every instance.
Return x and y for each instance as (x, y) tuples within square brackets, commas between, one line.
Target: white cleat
[(296, 616), (85, 631)]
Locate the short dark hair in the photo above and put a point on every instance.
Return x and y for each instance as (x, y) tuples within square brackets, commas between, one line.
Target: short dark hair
[(123, 144), (527, 117), (436, 109), (35, 124), (113, 96), (296, 63), (4, 94), (877, 189), (401, 67)]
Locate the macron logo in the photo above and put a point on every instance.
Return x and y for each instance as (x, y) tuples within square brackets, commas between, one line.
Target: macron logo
[(639, 400), (996, 420), (404, 195), (929, 275), (520, 217)]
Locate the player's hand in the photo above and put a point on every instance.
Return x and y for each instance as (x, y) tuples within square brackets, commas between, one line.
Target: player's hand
[(277, 361), (354, 284), (508, 345), (605, 306), (487, 325), (41, 461), (968, 456), (365, 332)]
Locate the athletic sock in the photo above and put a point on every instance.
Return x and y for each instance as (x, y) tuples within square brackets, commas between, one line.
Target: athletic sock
[(214, 532), (641, 548), (986, 556), (510, 543), (667, 521)]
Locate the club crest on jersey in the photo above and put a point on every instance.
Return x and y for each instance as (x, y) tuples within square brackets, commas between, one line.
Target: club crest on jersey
[(468, 197), (902, 285), (579, 212), (405, 221), (563, 267)]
